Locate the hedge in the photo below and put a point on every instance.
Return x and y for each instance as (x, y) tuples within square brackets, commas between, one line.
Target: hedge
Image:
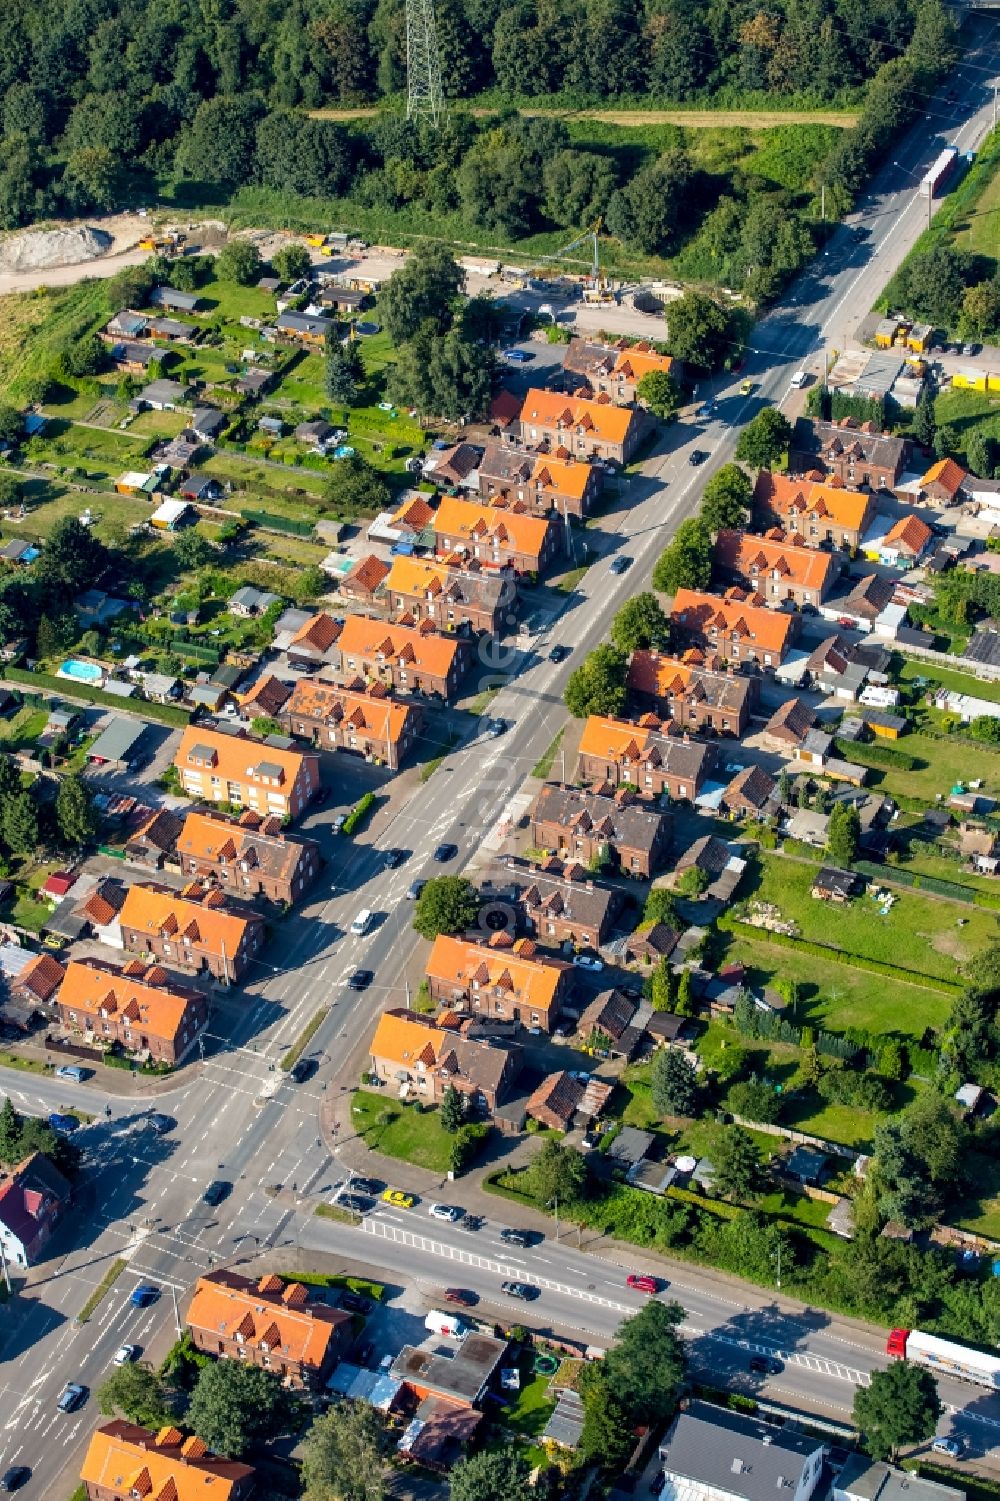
[(171, 714), (358, 813), (877, 755), (842, 956), (278, 523), (955, 891)]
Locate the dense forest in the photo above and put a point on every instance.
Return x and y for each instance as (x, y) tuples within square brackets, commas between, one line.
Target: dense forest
[(106, 101)]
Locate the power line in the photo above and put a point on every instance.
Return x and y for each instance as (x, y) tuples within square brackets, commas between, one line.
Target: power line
[(423, 64)]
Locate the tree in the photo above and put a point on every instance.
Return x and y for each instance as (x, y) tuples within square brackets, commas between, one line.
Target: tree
[(687, 562), (739, 1171), (73, 559), (980, 452), (424, 289), (924, 425), (980, 314), (449, 377), (726, 502), (139, 1393), (644, 1369), (899, 1406), (11, 424), (931, 284), (91, 179), (645, 211), (842, 834), (239, 261), (220, 144), (447, 904), (606, 1438), (578, 186), (191, 549), (686, 1004), (557, 1173), (891, 1061), (493, 1475), (660, 393), (693, 881), (10, 1133), (640, 624), (76, 816), (235, 1405), (764, 439), (292, 262), (698, 331), (673, 1085), (344, 371), (946, 441), (661, 986), (598, 686), (452, 1110), (355, 488), (343, 1454), (19, 824), (755, 1101), (986, 727)]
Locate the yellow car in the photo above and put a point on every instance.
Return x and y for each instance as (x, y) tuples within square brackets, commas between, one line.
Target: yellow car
[(397, 1199), (746, 387)]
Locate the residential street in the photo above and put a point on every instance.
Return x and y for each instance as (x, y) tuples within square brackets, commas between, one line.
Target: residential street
[(239, 1120)]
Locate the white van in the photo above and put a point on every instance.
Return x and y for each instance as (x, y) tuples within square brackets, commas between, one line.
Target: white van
[(361, 924), (799, 379)]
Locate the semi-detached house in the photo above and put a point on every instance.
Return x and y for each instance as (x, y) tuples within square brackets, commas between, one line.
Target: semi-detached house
[(250, 855), (136, 1006), (783, 570), (736, 627), (125, 1462), (586, 428), (613, 370), (418, 1059), (266, 1322), (255, 774), (191, 930), (475, 599), (498, 980), (644, 755), (364, 721), (495, 536), (545, 483), (824, 514), (692, 695), (411, 659), (581, 824)]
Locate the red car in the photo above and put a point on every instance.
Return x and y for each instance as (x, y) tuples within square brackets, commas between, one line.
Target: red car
[(459, 1295), (642, 1284)]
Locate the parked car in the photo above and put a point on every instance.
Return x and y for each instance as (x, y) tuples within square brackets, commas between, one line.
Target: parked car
[(367, 1186), (65, 1125), (361, 979), (414, 890), (520, 1238), (302, 1070), (641, 1283), (125, 1354), (398, 1199), (72, 1071), (517, 356), (588, 961), (445, 852), (950, 1446), (14, 1478), (355, 1203), (216, 1191), (765, 1365), (354, 1302), (522, 1290), (143, 1295), (622, 564), (559, 652), (338, 822), (447, 1212), (73, 1396), (461, 1296), (697, 456)]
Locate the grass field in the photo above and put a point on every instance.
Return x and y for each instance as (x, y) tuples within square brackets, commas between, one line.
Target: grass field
[(969, 411), (943, 763), (399, 1131), (919, 932), (958, 682), (49, 502)]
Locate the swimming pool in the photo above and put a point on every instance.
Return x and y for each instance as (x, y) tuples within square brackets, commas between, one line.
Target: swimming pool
[(343, 452), (82, 672)]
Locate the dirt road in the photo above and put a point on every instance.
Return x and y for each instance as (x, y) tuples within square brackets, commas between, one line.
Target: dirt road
[(694, 119)]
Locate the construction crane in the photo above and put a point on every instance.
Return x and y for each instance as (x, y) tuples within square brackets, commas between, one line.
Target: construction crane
[(597, 289)]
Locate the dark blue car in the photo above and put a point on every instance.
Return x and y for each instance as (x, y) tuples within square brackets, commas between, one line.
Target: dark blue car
[(64, 1124)]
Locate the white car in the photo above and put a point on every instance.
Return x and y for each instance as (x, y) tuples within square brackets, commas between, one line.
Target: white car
[(125, 1355), (444, 1212), (949, 1446), (588, 961)]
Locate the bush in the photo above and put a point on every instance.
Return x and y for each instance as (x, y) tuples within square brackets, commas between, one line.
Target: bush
[(359, 813), (841, 956)]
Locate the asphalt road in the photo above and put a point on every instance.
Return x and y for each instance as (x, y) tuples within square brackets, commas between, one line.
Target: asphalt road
[(241, 1122)]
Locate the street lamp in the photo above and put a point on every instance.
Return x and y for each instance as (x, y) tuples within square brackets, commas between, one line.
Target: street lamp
[(930, 190)]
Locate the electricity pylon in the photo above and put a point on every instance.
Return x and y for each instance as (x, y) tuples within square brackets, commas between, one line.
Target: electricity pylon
[(423, 66)]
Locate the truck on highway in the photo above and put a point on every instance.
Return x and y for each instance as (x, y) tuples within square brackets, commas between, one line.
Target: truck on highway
[(936, 175), (944, 1357)]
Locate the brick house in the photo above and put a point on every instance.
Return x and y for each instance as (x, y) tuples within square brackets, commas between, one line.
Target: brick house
[(154, 841), (824, 514), (313, 643), (944, 482), (454, 468), (643, 755), (419, 1059), (693, 696), (556, 902), (249, 855), (788, 726), (33, 1195), (453, 598), (191, 930), (222, 768), (545, 483), (581, 825), (135, 1006), (738, 628), (613, 370), (498, 982), (783, 571), (125, 1462), (269, 1323), (410, 659), (265, 700), (364, 721), (591, 429), (752, 793), (856, 453), (496, 536), (365, 579)]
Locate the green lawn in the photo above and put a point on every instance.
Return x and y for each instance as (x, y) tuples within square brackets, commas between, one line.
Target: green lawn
[(920, 932), (398, 1130), (102, 452), (942, 763), (969, 411), (22, 728), (50, 502), (533, 1408), (980, 1212)]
